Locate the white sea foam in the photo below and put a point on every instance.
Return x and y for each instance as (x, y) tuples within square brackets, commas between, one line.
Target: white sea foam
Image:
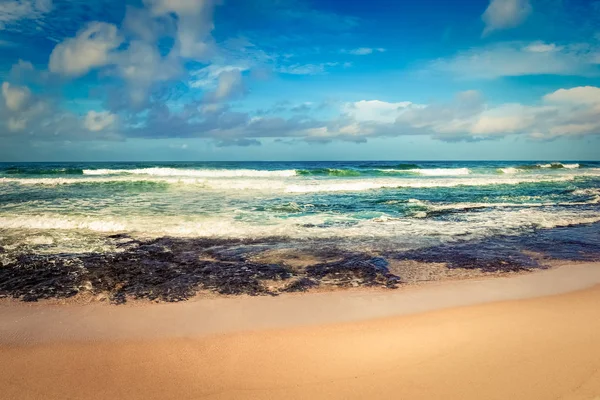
[(355, 186), (303, 185), (595, 192), (441, 171), (509, 170), (204, 173), (43, 222), (559, 165), (473, 225)]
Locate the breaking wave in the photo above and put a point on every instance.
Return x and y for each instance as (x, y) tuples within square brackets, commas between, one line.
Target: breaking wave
[(442, 171), (363, 185), (310, 186), (204, 173), (474, 225), (524, 168)]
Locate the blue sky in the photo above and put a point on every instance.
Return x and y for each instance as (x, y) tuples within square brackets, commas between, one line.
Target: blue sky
[(299, 79)]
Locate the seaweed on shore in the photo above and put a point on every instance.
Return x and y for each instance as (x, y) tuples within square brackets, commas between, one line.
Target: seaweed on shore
[(300, 285), (355, 271), (150, 271), (174, 270)]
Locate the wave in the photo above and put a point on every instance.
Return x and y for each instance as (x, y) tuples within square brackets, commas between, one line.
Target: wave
[(356, 186), (384, 171), (47, 171), (429, 172), (204, 173), (312, 186), (328, 172), (390, 166), (553, 165), (524, 168), (308, 227), (594, 193), (433, 209), (442, 171), (557, 165)]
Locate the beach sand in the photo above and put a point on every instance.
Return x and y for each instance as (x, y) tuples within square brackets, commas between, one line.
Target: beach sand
[(533, 336)]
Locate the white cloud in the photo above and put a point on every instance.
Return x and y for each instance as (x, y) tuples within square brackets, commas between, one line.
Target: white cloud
[(541, 47), (15, 97), (15, 10), (230, 84), (505, 14), (16, 124), (89, 49), (141, 65), (99, 121), (565, 112), (363, 51), (518, 59), (208, 76), (306, 69), (578, 95), (374, 110), (503, 120), (194, 24)]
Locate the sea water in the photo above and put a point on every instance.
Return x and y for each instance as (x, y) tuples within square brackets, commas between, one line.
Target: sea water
[(71, 207)]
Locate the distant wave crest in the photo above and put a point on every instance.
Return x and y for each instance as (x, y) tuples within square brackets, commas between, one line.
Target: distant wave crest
[(204, 173)]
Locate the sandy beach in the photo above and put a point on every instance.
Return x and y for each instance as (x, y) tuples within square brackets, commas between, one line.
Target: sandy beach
[(532, 336)]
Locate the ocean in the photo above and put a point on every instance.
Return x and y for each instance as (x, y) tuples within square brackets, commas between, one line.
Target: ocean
[(428, 211)]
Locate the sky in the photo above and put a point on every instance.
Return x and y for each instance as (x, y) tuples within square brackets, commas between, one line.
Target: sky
[(108, 80)]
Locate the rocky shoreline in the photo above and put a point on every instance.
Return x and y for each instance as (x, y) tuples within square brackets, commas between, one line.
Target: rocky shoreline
[(176, 269)]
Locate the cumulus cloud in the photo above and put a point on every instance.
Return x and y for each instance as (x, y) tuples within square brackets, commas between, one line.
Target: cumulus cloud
[(132, 51), (565, 112), (16, 124), (89, 49), (374, 110), (505, 14), (586, 95), (98, 121), (194, 24), (12, 11), (570, 112), (15, 97), (518, 59), (230, 85), (141, 66), (42, 119)]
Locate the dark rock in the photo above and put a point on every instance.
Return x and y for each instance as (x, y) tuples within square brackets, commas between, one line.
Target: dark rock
[(301, 285), (168, 269), (32, 278), (364, 271)]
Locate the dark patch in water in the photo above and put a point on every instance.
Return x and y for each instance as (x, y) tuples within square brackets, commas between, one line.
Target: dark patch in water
[(510, 253)]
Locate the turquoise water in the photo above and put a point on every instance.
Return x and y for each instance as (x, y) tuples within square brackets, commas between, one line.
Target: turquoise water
[(63, 206)]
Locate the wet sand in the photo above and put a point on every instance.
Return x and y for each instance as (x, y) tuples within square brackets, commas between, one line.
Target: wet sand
[(530, 336)]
